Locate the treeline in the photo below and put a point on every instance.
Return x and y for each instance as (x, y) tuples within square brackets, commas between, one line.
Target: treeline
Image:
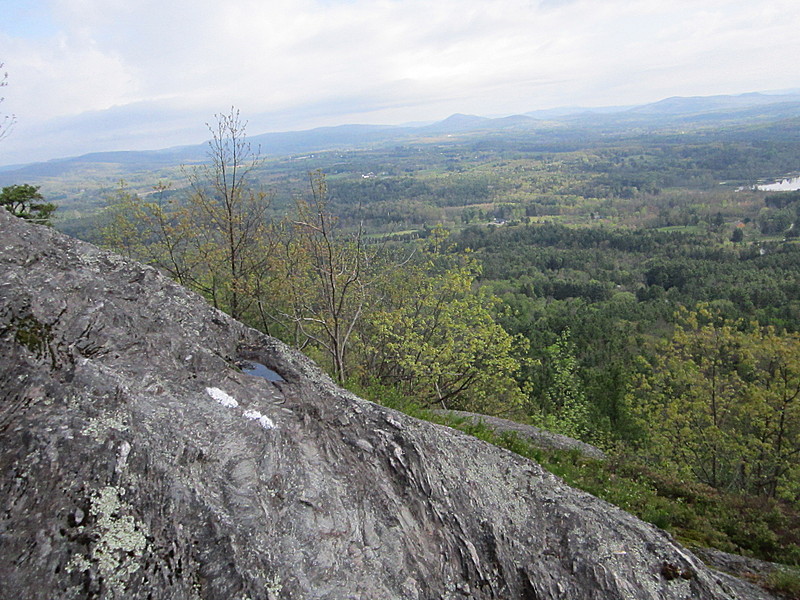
[(445, 190), (748, 281), (678, 345), (781, 215), (609, 174)]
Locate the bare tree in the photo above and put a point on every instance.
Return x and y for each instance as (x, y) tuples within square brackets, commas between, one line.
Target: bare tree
[(229, 215), (327, 278), (215, 241), (6, 121)]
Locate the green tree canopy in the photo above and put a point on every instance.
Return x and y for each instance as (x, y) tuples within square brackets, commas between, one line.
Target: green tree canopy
[(25, 201), (721, 402), (433, 335), (567, 409)]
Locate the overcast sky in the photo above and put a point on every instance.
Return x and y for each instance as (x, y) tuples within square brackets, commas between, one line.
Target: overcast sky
[(88, 75)]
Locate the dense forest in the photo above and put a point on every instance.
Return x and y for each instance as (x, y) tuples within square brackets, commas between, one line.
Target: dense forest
[(633, 289)]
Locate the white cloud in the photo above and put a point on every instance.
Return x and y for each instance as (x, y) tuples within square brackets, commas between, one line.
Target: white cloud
[(389, 59), (66, 76)]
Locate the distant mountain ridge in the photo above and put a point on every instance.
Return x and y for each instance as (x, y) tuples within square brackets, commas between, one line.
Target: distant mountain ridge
[(679, 105), (675, 110)]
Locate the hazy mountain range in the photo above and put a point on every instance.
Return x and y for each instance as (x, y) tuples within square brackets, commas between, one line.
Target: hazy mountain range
[(683, 112)]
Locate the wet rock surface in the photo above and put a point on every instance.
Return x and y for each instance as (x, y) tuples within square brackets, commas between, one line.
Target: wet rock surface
[(138, 461)]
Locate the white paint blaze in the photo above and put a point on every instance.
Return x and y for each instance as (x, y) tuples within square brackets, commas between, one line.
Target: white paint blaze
[(222, 397), (262, 420), (228, 401)]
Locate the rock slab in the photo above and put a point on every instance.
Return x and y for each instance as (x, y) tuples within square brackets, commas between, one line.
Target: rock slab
[(535, 435), (139, 462)]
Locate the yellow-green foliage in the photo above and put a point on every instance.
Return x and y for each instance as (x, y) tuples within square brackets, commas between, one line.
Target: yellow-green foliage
[(567, 410), (434, 335), (721, 402), (421, 323)]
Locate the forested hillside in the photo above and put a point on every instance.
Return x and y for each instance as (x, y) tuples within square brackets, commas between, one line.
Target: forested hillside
[(629, 286)]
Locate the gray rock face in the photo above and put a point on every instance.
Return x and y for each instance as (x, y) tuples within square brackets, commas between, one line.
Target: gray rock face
[(139, 462), (536, 436), (751, 568)]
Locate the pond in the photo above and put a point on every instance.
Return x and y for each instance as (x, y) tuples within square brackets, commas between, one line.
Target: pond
[(256, 369)]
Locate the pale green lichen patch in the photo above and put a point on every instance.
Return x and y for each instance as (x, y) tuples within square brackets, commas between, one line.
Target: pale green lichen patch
[(121, 540), (98, 427), (78, 564), (273, 587)]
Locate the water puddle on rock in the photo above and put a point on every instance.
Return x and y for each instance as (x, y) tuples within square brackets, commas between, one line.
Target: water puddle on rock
[(256, 369)]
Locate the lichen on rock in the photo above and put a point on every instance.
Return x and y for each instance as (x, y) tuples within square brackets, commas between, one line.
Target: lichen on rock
[(99, 427), (118, 544)]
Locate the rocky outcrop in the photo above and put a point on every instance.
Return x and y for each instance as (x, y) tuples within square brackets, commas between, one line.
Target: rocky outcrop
[(540, 438), (744, 567), (138, 461)]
